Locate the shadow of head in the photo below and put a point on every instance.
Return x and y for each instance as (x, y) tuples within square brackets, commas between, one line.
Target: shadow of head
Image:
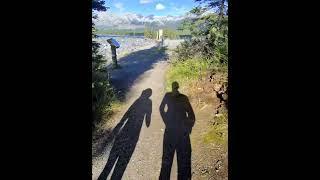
[(146, 93), (175, 86)]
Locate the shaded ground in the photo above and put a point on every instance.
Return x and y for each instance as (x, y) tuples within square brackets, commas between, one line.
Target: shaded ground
[(133, 66)]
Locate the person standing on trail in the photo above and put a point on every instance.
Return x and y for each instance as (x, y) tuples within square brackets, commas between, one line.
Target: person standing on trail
[(179, 120)]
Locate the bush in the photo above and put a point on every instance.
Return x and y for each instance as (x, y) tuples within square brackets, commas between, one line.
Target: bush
[(102, 95), (185, 71), (210, 41), (167, 33), (170, 33), (102, 92)]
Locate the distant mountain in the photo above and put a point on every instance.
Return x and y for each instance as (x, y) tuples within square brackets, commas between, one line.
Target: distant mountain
[(107, 20)]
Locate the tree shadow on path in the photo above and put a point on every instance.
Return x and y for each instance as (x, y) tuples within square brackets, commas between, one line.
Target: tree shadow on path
[(127, 134), (179, 118)]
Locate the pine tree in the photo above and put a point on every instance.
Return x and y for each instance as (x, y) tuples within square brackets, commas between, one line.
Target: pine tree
[(102, 92)]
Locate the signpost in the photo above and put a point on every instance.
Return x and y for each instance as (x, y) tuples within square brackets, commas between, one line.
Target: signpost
[(114, 45)]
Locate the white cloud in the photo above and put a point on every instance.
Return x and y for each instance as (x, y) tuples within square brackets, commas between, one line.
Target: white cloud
[(160, 6), (119, 6), (145, 1)]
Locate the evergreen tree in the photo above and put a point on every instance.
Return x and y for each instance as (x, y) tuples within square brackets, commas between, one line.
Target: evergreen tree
[(102, 92)]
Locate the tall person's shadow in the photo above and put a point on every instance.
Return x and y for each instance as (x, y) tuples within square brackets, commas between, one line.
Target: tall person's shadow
[(127, 134), (179, 118)]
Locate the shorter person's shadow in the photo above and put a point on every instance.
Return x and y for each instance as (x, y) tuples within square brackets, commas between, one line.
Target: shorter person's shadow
[(127, 134), (179, 118)]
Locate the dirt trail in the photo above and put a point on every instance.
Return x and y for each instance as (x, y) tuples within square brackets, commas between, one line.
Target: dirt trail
[(145, 162), (140, 70)]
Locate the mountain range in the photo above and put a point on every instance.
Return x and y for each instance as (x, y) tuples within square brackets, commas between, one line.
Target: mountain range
[(107, 20)]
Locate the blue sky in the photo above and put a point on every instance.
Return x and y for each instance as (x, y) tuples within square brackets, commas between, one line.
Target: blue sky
[(148, 7)]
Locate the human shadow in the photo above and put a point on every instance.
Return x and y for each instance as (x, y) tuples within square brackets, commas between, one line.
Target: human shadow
[(179, 118), (133, 66), (127, 134)]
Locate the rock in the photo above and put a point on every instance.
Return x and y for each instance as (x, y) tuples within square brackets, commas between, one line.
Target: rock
[(218, 165), (217, 87), (219, 115), (225, 97), (222, 109), (204, 171)]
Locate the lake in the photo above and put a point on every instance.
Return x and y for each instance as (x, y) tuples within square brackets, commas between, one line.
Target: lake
[(116, 36)]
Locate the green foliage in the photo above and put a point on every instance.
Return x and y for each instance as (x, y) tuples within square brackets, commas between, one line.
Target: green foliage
[(185, 71), (98, 5), (210, 33), (147, 32), (131, 32), (102, 95), (210, 39), (170, 33), (218, 133), (167, 33), (206, 51), (102, 92), (220, 5), (150, 33)]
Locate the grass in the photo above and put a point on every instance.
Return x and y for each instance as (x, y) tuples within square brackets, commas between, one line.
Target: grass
[(115, 106), (185, 71), (218, 133)]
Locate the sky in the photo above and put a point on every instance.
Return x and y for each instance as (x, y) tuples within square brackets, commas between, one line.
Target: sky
[(150, 7)]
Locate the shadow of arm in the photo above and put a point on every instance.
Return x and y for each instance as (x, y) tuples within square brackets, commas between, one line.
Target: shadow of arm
[(191, 116), (161, 108)]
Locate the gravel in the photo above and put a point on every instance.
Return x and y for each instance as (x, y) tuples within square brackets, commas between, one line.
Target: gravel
[(127, 45)]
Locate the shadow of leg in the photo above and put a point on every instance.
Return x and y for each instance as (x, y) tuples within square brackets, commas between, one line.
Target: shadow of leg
[(114, 154), (121, 165), (184, 158), (167, 157), (120, 168)]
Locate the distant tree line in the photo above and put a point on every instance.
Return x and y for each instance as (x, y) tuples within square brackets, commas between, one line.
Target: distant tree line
[(131, 32), (168, 33), (148, 32)]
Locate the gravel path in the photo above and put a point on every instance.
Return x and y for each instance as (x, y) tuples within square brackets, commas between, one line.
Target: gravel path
[(140, 145), (140, 70)]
